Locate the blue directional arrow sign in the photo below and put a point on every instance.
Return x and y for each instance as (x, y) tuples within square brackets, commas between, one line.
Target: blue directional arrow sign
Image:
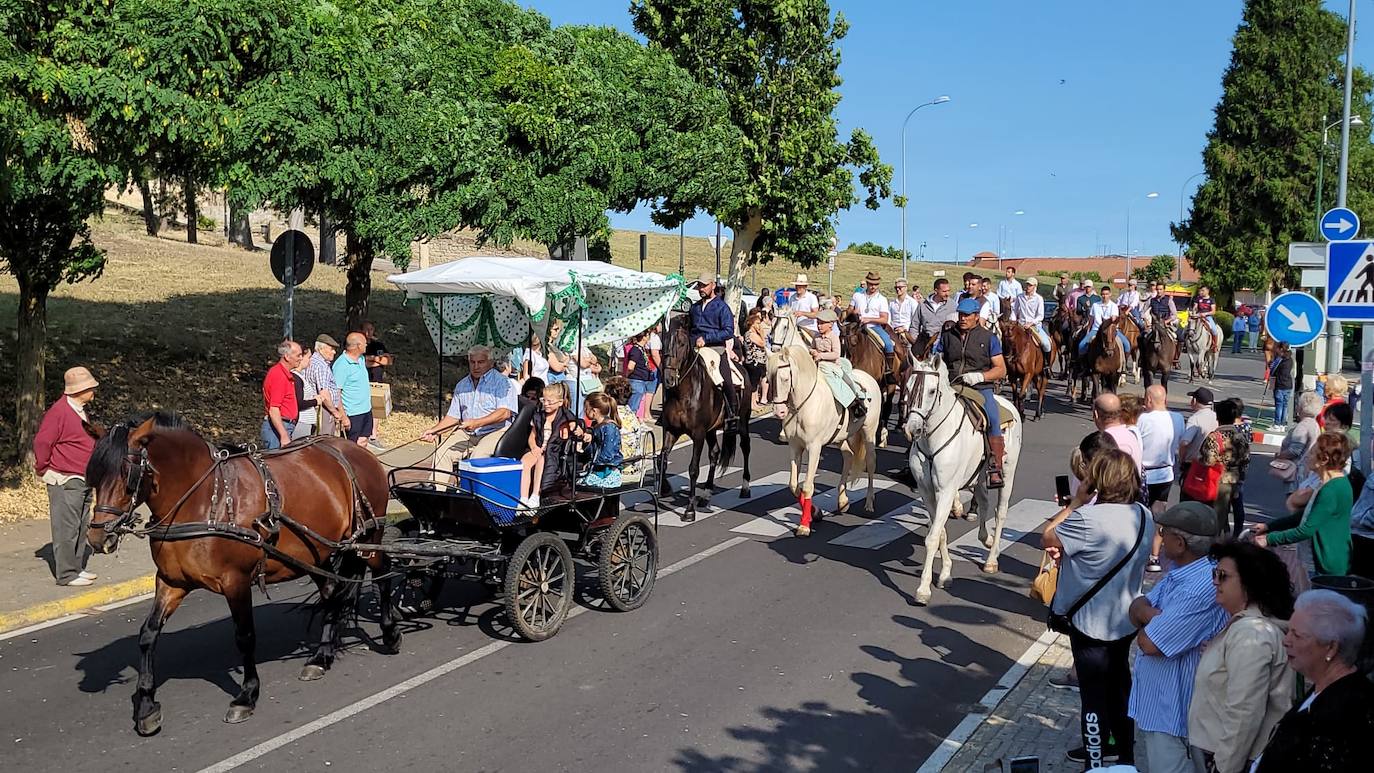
[(1350, 281), (1340, 224), (1295, 319)]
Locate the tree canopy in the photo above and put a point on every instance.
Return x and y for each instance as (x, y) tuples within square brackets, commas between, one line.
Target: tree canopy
[(1262, 156)]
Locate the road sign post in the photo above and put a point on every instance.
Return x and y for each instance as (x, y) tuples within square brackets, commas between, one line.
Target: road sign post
[(292, 258)]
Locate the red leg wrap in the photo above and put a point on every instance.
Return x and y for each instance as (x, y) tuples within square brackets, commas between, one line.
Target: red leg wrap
[(806, 511)]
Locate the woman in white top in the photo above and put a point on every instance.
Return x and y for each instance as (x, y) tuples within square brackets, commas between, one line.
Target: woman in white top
[(534, 364)]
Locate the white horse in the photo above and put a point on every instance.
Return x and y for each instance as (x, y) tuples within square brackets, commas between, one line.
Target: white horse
[(786, 332), (1202, 349), (812, 419), (947, 456)]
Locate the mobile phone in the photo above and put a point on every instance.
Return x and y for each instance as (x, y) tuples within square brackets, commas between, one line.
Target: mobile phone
[(1062, 494), (1026, 764)]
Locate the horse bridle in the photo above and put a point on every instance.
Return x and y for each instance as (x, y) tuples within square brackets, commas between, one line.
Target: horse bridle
[(139, 467), (797, 407)]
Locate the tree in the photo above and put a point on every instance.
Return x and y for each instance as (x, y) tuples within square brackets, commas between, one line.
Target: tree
[(776, 62), (1159, 269), (1262, 154)]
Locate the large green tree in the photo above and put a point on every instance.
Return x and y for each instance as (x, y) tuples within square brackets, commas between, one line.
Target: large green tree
[(1282, 87), (776, 62)]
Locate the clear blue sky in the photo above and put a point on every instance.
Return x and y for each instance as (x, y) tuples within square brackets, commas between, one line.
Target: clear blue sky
[(1067, 110)]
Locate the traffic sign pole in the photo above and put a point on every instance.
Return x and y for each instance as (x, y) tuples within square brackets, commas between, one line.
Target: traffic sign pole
[(289, 313)]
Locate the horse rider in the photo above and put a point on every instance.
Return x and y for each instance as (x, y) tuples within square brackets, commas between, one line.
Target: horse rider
[(971, 282), (804, 305), (973, 356), (1129, 302), (1083, 304), (1062, 290), (825, 350), (714, 328), (1164, 313), (1102, 311), (902, 310), (1204, 307), (1028, 311), (1009, 288), (991, 307), (933, 312), (872, 309)]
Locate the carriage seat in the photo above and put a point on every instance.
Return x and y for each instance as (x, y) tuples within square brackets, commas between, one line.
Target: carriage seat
[(711, 358), (973, 405)]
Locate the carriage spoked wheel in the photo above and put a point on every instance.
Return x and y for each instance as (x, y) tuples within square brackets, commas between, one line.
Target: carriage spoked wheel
[(628, 563), (539, 586)]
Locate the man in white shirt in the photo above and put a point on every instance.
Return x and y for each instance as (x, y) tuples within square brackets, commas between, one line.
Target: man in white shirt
[(872, 309), (1160, 431), (1199, 425), (901, 309), (1130, 302), (1100, 312), (1009, 288), (1028, 310), (805, 305), (991, 305)]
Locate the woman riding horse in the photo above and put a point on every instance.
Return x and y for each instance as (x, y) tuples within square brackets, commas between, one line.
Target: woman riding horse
[(973, 356)]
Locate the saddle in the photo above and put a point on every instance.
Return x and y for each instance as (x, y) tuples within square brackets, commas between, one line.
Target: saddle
[(973, 406), (711, 358)]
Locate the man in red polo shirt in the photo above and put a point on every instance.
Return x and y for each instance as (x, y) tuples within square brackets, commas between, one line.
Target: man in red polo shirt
[(279, 397)]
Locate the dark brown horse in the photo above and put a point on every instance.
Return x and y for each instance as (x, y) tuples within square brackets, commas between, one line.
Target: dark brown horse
[(890, 371), (1158, 345), (1131, 330), (223, 521), (1025, 365), (1062, 327), (1100, 364), (694, 407)]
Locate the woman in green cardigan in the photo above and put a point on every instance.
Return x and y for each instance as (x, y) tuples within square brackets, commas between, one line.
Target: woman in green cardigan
[(1321, 527)]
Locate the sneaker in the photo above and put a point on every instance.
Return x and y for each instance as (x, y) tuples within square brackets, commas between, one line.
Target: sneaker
[(88, 575), (1154, 566), (375, 443), (77, 582), (1080, 755), (1067, 681)]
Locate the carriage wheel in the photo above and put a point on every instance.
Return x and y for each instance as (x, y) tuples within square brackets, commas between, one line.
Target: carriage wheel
[(539, 586), (629, 562)]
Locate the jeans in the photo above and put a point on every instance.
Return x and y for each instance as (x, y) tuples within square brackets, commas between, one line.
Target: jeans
[(1092, 333), (1253, 335), (1044, 337), (882, 333), (69, 515), (990, 408), (270, 441), (1236, 342), (1104, 688), (639, 389), (1162, 753), (1281, 398)]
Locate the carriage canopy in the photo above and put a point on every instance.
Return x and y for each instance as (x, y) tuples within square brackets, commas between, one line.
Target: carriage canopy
[(497, 301)]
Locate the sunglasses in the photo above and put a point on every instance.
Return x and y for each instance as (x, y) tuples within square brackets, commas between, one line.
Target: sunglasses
[(1220, 575)]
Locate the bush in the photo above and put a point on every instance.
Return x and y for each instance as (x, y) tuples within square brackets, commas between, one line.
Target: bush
[(205, 223), (1224, 319), (1093, 275)]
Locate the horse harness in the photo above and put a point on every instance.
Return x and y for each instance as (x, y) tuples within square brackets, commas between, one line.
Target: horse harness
[(969, 409), (266, 528)]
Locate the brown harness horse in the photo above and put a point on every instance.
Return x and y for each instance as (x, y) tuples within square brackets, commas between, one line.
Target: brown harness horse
[(1158, 345), (1101, 363), (223, 521), (1025, 365), (866, 354)]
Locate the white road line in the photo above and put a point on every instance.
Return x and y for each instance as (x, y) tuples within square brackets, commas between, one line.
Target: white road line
[(1024, 517), (376, 699), (952, 743), (727, 500), (125, 602), (894, 524), (784, 520), (40, 626)]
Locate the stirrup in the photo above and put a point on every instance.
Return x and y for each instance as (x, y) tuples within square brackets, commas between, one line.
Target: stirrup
[(995, 478)]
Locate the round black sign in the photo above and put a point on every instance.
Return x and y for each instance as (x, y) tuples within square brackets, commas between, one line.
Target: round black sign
[(304, 256)]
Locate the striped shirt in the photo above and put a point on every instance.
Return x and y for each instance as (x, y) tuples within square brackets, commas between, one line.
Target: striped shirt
[(493, 391), (1189, 617), (319, 377)]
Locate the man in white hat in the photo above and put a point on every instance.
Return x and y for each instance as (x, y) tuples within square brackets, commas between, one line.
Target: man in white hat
[(61, 450), (805, 305), (1028, 310)]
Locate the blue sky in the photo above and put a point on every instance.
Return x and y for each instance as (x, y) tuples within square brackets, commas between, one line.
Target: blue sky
[(1068, 110)]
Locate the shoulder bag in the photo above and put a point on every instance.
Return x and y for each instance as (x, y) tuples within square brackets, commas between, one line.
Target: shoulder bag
[(1046, 582), (1064, 623), (1200, 484)]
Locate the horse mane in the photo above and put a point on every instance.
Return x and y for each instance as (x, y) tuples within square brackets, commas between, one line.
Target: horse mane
[(800, 358), (107, 460)]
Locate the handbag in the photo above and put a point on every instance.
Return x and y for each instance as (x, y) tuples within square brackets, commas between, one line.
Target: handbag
[(1064, 623), (1046, 582), (1200, 484), (1284, 469)]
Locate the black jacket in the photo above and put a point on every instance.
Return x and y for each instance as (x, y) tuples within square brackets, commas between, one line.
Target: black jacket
[(966, 352), (1283, 374), (1332, 736)]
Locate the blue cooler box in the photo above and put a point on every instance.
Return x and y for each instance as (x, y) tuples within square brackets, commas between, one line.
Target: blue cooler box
[(496, 481)]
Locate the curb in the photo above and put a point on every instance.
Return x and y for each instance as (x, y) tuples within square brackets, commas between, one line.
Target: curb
[(76, 603), (1266, 438)]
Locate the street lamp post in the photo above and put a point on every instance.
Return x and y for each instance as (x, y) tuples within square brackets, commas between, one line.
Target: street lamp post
[(1178, 264), (937, 101), (1150, 195), (1321, 163)]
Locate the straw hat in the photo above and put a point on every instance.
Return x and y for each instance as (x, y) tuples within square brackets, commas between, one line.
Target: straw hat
[(78, 380), (801, 280), (872, 276)]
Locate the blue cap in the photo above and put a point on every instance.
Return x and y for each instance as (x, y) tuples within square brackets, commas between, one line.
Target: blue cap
[(968, 306)]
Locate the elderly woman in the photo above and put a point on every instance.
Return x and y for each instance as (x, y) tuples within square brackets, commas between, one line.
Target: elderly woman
[(1320, 525), (1337, 388), (1332, 728), (1302, 436), (1102, 553), (1243, 684)]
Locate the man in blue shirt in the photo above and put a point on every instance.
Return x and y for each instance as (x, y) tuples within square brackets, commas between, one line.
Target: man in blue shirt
[(1175, 620), (484, 405), (1238, 331), (1253, 326), (714, 328), (350, 373)]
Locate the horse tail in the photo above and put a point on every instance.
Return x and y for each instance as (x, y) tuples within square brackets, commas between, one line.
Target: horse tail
[(859, 463)]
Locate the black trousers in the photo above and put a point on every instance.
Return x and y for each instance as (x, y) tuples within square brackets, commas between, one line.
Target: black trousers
[(1104, 687), (1362, 556)]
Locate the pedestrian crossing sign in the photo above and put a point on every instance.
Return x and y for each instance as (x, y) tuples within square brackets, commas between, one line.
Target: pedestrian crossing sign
[(1350, 281)]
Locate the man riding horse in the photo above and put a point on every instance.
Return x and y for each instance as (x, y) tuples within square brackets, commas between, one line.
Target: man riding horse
[(714, 328), (1164, 314), (973, 355), (1101, 311), (1028, 311), (872, 310)]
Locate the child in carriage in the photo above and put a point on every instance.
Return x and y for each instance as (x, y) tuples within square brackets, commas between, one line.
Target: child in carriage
[(604, 440), (548, 439)]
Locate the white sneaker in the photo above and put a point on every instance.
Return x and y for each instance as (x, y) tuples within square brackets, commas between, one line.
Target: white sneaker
[(78, 582), (533, 501), (88, 575)]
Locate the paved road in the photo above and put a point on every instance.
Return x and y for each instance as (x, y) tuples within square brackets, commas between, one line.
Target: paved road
[(758, 651)]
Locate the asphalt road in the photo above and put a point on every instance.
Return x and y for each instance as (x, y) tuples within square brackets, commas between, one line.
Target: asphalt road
[(757, 651)]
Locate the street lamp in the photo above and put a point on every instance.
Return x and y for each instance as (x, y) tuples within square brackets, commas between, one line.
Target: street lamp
[(1182, 189), (1150, 195), (940, 100), (1321, 165)]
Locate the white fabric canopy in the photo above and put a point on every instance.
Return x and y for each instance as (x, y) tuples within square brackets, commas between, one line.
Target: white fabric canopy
[(496, 300)]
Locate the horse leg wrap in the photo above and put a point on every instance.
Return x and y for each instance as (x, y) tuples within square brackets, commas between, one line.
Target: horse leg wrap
[(806, 511)]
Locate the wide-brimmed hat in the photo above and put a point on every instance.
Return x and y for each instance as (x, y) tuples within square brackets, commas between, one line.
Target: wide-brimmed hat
[(872, 276), (78, 380), (327, 340), (968, 306), (827, 315), (1190, 518), (801, 280)]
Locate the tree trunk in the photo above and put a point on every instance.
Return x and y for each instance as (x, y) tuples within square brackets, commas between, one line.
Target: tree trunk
[(329, 249), (741, 248), (360, 255), (33, 342), (296, 221), (150, 218), (240, 229), (189, 190)]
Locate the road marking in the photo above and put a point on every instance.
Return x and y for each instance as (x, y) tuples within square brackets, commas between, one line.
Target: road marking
[(784, 520), (727, 499), (1024, 517), (401, 688), (40, 626), (895, 524), (965, 729), (126, 602)]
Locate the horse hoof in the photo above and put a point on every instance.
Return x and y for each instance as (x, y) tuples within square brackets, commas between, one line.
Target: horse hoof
[(943, 583), (922, 598), (744, 492), (310, 673), (803, 531), (986, 540), (687, 517), (151, 724), (238, 714), (990, 568), (391, 644)]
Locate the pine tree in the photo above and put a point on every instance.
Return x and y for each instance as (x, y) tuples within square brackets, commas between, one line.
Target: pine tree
[(1283, 85)]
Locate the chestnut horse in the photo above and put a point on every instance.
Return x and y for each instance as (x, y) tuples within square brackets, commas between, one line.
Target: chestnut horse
[(1025, 365), (1158, 346), (1101, 363), (890, 372), (224, 520), (1061, 330), (1131, 330)]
